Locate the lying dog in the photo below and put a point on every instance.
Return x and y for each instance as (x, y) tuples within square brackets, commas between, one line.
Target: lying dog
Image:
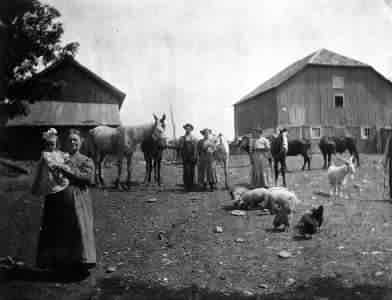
[(279, 201), (310, 222)]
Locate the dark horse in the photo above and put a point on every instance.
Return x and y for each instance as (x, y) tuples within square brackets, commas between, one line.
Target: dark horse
[(333, 145), (295, 147), (152, 150)]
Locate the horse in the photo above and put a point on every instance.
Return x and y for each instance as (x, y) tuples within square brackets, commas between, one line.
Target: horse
[(222, 154), (301, 147), (121, 142), (152, 150), (333, 145), (295, 147)]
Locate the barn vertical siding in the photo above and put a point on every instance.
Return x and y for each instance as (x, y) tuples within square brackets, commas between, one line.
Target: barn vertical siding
[(307, 100), (259, 111)]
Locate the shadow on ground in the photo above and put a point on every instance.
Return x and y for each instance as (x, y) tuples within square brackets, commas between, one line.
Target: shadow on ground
[(120, 288), (331, 288)]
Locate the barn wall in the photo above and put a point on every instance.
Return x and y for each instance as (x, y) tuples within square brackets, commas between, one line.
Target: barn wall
[(307, 100), (79, 87), (259, 111)]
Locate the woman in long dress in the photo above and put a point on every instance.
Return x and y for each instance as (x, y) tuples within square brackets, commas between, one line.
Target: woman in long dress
[(66, 241), (206, 162), (259, 151)]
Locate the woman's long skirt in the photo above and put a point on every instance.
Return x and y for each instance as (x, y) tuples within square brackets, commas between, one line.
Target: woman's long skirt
[(207, 170), (260, 173), (67, 231)]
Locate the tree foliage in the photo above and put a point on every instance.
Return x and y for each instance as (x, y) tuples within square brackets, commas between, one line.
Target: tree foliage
[(33, 41)]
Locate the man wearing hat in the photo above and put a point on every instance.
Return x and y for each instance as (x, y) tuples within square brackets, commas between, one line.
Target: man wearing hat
[(285, 141), (259, 150), (188, 150)]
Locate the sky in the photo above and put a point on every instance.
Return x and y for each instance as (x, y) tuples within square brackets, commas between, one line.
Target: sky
[(202, 56)]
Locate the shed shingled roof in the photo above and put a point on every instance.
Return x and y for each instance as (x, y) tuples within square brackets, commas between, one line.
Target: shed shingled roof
[(321, 57)]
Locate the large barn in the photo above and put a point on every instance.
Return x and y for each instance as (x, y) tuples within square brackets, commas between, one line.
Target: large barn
[(324, 93), (83, 101)]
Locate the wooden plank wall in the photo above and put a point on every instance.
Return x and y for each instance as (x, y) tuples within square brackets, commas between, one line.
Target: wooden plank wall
[(367, 102), (80, 87), (367, 99), (260, 111)]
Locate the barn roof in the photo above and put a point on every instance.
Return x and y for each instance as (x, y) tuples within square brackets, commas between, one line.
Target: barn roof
[(321, 57), (53, 113), (72, 61)]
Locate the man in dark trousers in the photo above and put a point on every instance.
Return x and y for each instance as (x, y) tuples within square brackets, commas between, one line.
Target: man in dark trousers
[(188, 150), (388, 162)]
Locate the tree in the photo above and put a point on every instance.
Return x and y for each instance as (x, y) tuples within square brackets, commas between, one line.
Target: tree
[(33, 41)]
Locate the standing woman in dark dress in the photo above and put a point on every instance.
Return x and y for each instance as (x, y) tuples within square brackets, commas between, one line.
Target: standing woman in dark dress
[(66, 241)]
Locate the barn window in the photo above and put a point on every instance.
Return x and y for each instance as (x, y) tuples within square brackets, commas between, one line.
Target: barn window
[(339, 100), (337, 82), (365, 133), (315, 132)]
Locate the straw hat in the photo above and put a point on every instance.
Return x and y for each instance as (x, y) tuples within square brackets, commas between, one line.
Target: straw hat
[(205, 130), (188, 125)]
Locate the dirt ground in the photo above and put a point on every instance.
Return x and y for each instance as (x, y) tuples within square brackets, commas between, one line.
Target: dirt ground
[(167, 249)]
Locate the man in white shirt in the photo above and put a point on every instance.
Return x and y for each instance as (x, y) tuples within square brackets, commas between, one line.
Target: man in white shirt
[(285, 140)]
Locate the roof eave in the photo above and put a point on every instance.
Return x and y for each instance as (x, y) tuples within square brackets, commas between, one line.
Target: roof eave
[(244, 100), (69, 59), (121, 95), (338, 66)]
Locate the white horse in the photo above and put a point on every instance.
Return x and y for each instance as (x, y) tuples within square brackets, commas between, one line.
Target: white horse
[(121, 142), (222, 154)]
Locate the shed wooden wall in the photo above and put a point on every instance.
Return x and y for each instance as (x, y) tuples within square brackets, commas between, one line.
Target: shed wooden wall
[(80, 87), (259, 111)]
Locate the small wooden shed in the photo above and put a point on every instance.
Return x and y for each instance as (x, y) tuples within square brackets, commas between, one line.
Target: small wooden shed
[(82, 101)]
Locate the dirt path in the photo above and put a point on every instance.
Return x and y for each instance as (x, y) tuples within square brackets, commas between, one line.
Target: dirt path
[(167, 248)]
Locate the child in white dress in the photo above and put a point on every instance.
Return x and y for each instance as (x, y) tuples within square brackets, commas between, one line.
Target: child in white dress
[(48, 178)]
